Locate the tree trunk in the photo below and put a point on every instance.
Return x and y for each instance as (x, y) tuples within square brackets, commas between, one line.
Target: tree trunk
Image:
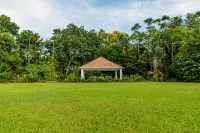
[(53, 51), (35, 53), (139, 51), (29, 51), (155, 69), (69, 63)]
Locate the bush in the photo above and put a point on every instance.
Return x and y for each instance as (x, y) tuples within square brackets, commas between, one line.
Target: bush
[(25, 78), (101, 79), (84, 80), (92, 80), (117, 80), (5, 76), (173, 80), (72, 78), (126, 78), (32, 77), (51, 76), (135, 78), (21, 79)]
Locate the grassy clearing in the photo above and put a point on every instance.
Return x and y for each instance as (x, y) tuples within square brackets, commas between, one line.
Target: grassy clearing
[(117, 107)]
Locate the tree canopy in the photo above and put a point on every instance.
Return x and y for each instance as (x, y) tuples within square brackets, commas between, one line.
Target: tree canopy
[(168, 49)]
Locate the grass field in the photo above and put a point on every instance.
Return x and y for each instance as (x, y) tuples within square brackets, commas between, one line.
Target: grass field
[(116, 107)]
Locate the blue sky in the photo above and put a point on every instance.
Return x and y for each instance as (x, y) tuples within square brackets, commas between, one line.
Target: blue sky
[(43, 16)]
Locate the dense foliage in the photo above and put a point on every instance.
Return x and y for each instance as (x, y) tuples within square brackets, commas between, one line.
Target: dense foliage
[(168, 50)]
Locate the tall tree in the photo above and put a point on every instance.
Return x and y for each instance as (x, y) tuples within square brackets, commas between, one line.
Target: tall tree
[(187, 61), (9, 55), (7, 26), (29, 46)]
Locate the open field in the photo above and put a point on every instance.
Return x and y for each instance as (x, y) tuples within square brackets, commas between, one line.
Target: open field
[(116, 107)]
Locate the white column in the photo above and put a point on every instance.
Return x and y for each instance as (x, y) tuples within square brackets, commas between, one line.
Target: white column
[(115, 74), (121, 74), (82, 74)]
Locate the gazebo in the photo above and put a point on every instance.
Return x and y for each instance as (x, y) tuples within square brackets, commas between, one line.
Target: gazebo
[(101, 64)]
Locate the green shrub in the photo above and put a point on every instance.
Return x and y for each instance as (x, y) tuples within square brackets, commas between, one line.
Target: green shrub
[(135, 78), (5, 76), (101, 79), (173, 80), (61, 77), (117, 80), (32, 77), (92, 80), (84, 80), (21, 79), (72, 78), (125, 78), (51, 76), (26, 78)]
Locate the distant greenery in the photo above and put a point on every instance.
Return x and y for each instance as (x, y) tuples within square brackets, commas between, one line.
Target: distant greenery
[(168, 50), (110, 107), (71, 78)]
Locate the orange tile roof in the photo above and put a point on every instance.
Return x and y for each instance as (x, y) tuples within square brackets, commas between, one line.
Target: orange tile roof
[(101, 63)]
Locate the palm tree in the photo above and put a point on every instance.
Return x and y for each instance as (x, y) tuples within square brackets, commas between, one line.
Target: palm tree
[(156, 53)]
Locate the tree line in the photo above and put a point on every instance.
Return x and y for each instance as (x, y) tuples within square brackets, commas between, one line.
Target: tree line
[(168, 49)]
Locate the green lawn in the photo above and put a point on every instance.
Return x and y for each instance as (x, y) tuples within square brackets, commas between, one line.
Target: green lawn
[(116, 107)]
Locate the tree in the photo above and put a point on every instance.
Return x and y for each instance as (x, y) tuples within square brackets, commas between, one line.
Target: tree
[(7, 26), (187, 61), (169, 47), (137, 38), (9, 54), (29, 46), (155, 52)]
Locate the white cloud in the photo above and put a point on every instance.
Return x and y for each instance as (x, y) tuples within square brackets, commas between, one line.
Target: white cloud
[(45, 15)]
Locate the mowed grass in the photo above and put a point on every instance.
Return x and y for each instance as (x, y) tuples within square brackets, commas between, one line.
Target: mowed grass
[(110, 107)]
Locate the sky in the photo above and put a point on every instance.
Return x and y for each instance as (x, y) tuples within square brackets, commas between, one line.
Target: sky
[(43, 16)]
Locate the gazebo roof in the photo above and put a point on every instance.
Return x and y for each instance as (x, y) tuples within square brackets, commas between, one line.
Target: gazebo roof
[(101, 63)]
